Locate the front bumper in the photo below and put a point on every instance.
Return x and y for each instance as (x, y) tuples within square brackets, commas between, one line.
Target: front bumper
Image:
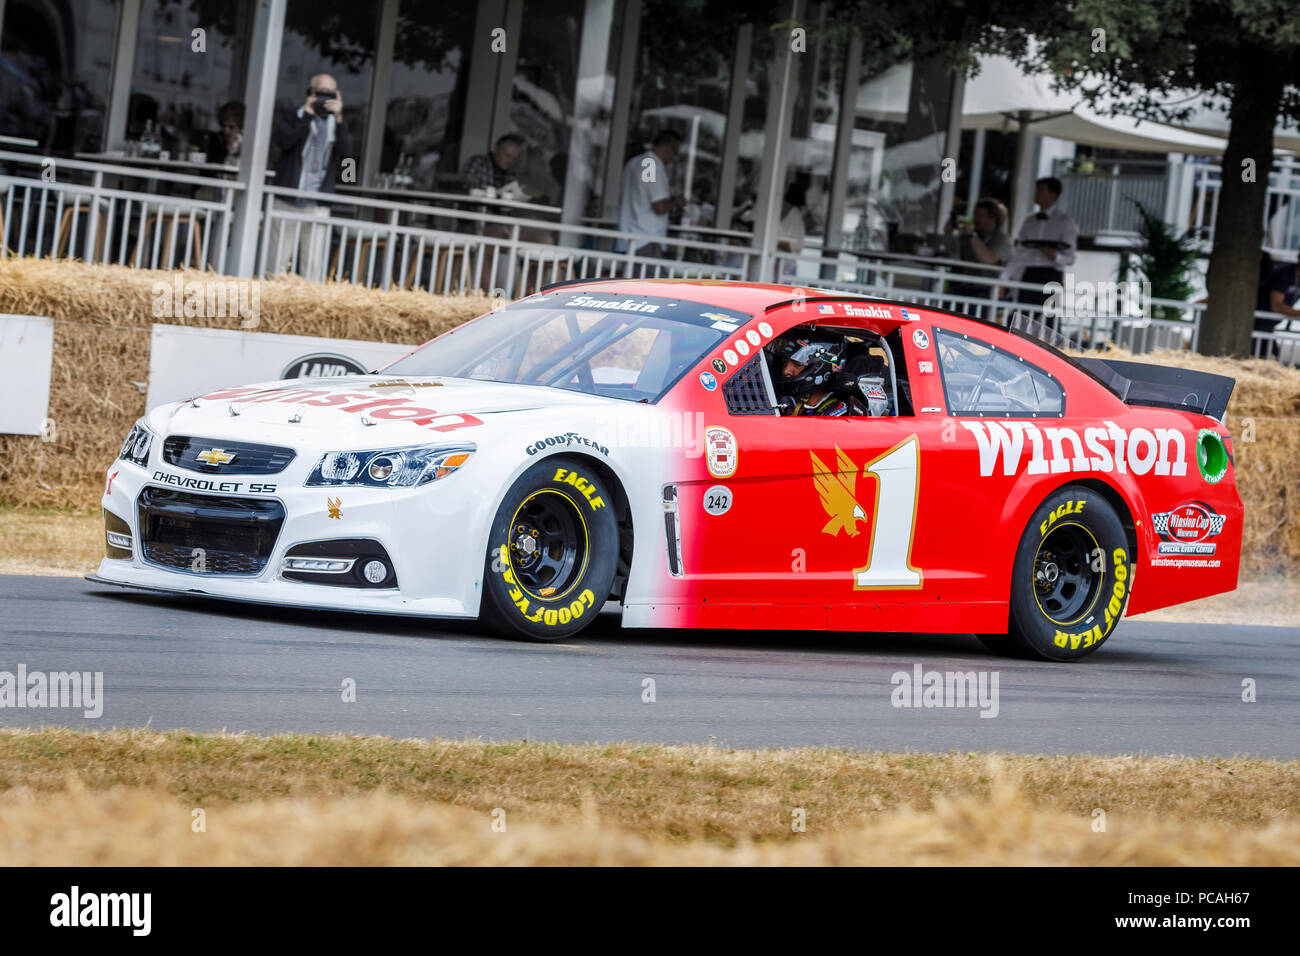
[(435, 543)]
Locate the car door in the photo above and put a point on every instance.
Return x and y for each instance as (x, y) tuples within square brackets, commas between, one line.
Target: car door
[(804, 521)]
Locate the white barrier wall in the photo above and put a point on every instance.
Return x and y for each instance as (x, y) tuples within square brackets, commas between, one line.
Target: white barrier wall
[(26, 354), (185, 361)]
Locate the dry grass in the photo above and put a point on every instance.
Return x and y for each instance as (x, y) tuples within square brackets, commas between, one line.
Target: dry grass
[(101, 337), (1269, 602), (126, 798), (47, 541)]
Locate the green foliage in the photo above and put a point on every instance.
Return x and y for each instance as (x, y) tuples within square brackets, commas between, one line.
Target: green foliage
[(1164, 258), (1147, 57)]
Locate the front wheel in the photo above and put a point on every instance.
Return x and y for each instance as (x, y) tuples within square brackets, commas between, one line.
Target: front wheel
[(1070, 581), (552, 553)]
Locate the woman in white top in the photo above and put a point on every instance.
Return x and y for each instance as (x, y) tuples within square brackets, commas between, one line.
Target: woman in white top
[(790, 233)]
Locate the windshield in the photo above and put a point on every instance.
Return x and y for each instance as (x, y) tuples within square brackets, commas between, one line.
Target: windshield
[(618, 346)]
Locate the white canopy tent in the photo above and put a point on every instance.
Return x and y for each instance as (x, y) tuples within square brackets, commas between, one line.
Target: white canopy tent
[(1210, 117), (1001, 96)]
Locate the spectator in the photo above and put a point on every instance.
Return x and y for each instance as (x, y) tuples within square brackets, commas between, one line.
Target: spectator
[(646, 198), (1283, 288), (984, 239), (790, 231), (313, 142), (224, 146), (1264, 295), (699, 212), (487, 173), (1048, 241)]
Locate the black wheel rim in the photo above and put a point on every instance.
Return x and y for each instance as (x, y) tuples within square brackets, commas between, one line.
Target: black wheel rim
[(1065, 584), (548, 544)]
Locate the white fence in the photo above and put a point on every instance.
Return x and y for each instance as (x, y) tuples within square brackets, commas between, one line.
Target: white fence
[(1281, 213), (1102, 202), (70, 209), (376, 242), (86, 212)]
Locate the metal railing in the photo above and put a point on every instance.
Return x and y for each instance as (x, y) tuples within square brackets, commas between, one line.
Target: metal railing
[(985, 296), (1282, 343), (67, 208), (1100, 202), (379, 244), (1281, 212), (85, 211)]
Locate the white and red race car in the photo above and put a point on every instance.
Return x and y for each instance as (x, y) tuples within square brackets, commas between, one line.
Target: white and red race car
[(707, 455)]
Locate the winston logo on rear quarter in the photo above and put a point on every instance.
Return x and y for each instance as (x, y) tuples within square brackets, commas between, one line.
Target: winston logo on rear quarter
[(1052, 450)]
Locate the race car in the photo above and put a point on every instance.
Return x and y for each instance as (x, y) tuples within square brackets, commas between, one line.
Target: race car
[(704, 455)]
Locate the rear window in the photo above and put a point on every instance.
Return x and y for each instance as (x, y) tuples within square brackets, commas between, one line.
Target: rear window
[(981, 379)]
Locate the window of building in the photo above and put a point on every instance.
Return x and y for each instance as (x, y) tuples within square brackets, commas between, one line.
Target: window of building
[(180, 80), (980, 379), (426, 96), (57, 60), (683, 80), (338, 40)]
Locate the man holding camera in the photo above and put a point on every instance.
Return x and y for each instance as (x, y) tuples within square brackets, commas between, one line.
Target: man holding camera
[(313, 143)]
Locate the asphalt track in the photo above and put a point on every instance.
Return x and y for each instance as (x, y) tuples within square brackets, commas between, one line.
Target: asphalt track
[(171, 662)]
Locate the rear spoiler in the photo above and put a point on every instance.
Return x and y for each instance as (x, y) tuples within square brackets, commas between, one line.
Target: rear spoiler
[(1137, 383)]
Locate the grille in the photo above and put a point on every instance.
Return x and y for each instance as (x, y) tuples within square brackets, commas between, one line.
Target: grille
[(250, 459), (236, 535), (744, 391)]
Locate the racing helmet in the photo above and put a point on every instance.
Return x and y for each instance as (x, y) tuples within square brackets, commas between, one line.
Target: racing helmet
[(820, 353)]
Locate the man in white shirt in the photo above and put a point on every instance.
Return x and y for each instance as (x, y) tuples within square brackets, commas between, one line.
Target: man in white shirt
[(1047, 242), (646, 198)]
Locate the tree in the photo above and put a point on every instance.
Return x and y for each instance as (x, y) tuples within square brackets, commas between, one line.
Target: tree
[(1155, 59)]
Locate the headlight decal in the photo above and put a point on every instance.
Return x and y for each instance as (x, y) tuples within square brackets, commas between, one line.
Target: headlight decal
[(405, 467), (135, 448)]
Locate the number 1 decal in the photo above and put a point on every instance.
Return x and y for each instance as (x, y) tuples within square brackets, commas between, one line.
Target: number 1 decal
[(889, 552)]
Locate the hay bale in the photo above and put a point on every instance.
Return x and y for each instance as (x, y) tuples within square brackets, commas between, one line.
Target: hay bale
[(102, 320), (1264, 417)]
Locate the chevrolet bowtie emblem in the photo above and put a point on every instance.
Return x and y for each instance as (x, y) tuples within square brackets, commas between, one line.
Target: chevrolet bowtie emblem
[(215, 456)]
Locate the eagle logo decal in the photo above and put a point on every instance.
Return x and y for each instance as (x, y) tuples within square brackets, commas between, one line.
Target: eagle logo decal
[(838, 491)]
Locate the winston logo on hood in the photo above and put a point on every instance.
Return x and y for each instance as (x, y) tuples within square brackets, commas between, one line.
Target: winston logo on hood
[(384, 409)]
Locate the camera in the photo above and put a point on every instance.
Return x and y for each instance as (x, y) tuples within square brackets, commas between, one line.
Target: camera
[(320, 99)]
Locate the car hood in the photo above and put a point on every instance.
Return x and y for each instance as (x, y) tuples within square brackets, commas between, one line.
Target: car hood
[(360, 411)]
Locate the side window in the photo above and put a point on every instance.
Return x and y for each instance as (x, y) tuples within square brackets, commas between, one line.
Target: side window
[(980, 379), (748, 391)]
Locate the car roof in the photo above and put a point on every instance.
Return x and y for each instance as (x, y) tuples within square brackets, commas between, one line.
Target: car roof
[(759, 297), (753, 297)]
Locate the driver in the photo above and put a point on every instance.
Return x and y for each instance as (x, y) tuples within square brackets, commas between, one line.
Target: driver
[(806, 363)]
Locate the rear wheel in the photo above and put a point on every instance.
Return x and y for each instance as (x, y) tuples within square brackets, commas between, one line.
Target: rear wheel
[(552, 552), (1070, 581)]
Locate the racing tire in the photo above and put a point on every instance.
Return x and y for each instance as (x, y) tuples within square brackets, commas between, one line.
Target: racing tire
[(1070, 581), (552, 552)]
